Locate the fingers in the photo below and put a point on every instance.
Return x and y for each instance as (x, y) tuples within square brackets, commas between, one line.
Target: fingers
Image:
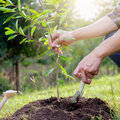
[(84, 74), (88, 67), (57, 50), (89, 75), (85, 78), (52, 37), (56, 42)]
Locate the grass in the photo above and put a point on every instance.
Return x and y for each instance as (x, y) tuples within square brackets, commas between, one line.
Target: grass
[(106, 88)]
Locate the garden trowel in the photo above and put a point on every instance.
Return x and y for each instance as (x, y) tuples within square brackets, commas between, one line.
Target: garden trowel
[(78, 94)]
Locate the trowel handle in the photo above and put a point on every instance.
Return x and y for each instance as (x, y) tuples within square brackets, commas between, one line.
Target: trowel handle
[(3, 102), (82, 84)]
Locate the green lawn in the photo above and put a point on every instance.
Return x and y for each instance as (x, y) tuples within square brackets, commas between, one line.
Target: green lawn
[(106, 88)]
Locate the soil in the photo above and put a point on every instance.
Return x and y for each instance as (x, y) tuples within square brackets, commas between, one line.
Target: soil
[(51, 109)]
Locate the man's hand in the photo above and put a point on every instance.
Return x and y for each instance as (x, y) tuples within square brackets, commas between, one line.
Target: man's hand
[(88, 68), (57, 40)]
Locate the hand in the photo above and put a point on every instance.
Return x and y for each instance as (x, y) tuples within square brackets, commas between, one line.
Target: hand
[(61, 39), (88, 67)]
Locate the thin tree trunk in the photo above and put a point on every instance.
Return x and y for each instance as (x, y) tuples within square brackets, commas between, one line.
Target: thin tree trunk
[(13, 74), (56, 64), (17, 76)]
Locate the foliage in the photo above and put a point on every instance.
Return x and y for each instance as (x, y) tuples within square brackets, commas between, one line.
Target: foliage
[(25, 37), (4, 84)]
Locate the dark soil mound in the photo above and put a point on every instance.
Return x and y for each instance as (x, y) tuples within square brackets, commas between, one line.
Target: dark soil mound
[(51, 109)]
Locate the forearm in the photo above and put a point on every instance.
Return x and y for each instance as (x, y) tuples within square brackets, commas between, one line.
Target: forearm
[(99, 28), (109, 46)]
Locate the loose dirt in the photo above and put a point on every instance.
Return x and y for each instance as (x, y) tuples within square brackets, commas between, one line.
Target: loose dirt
[(51, 109)]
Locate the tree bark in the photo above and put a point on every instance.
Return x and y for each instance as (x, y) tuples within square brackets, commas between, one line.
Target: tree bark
[(17, 76)]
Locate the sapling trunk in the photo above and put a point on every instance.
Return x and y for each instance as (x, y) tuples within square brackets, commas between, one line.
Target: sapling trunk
[(55, 55), (17, 76), (57, 81)]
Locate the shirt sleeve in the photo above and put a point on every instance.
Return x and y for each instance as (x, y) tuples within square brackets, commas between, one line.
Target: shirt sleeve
[(115, 15)]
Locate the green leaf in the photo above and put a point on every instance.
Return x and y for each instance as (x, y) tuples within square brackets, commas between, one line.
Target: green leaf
[(8, 19), (43, 54), (1, 1), (25, 118), (21, 31), (51, 54), (9, 2), (6, 9), (18, 17), (46, 42), (33, 11), (33, 30), (23, 40), (19, 5), (12, 37), (65, 58), (64, 71), (30, 41), (67, 47), (22, 13), (26, 27), (9, 32), (48, 72), (46, 12), (35, 16), (69, 76), (44, 24), (49, 48), (16, 24), (8, 29), (42, 39)]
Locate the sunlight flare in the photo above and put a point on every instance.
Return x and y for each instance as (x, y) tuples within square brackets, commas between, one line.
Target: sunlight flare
[(87, 9)]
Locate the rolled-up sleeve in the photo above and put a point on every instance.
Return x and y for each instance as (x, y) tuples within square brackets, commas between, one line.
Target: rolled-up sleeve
[(115, 15)]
